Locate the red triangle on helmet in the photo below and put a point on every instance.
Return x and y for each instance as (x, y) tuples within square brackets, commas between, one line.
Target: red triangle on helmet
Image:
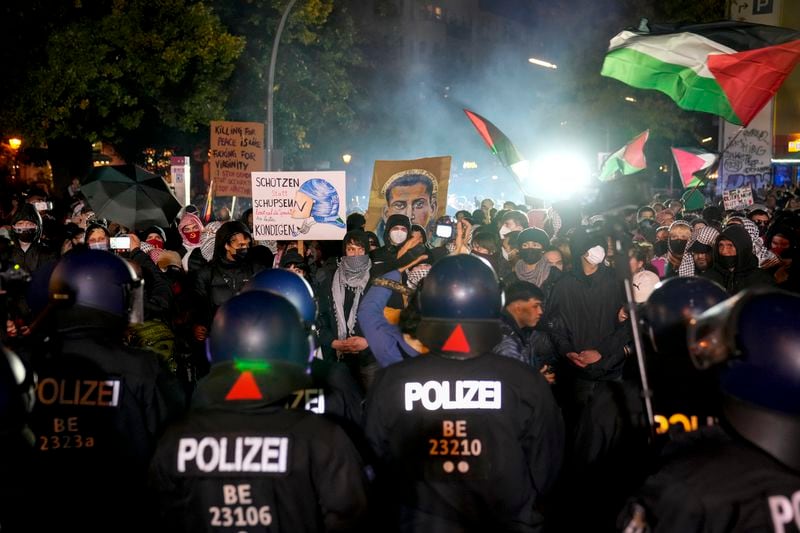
[(457, 342), (245, 388)]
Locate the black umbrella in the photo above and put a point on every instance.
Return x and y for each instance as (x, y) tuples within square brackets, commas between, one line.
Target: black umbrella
[(131, 196)]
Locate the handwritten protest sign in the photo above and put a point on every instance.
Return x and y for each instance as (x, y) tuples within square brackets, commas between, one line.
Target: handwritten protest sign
[(737, 198), (298, 205), (237, 150)]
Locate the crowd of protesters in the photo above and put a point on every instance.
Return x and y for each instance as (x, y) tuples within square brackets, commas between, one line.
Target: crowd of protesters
[(565, 314)]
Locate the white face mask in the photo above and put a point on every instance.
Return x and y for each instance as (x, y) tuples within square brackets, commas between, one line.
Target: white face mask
[(505, 230), (98, 245), (398, 236), (595, 255), (505, 254)]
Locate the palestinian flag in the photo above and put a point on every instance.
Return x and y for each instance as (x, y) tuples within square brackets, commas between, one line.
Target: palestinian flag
[(693, 164), (627, 160), (496, 140), (731, 69)]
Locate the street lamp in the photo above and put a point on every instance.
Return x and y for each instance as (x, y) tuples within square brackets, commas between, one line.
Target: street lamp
[(271, 81), (347, 158), (14, 143)]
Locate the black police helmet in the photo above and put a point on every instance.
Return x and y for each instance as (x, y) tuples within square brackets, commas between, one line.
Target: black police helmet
[(292, 287), (97, 280), (260, 332), (670, 307), (259, 325), (460, 306), (678, 387), (757, 336), (17, 393)]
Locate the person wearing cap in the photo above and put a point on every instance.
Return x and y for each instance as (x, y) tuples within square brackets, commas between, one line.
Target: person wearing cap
[(643, 280), (294, 262), (29, 252), (531, 266), (760, 217)]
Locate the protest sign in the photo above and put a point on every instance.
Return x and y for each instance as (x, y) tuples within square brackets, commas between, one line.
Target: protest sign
[(735, 199), (415, 188), (237, 150), (298, 205)]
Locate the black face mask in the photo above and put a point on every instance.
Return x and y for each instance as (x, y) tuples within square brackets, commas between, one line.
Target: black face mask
[(660, 247), (28, 235), (677, 246), (727, 261), (531, 255), (240, 254)]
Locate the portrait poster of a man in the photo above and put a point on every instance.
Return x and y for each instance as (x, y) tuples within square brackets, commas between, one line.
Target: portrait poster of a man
[(416, 188)]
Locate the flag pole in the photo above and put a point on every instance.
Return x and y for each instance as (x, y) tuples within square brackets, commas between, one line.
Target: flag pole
[(233, 208)]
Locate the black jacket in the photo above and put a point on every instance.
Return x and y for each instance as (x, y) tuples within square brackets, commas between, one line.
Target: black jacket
[(100, 410), (746, 272), (583, 316), (300, 472), (465, 445), (216, 283), (719, 483), (529, 345)]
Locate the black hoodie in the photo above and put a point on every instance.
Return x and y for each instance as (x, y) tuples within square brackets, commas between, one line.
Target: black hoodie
[(746, 272), (37, 254)]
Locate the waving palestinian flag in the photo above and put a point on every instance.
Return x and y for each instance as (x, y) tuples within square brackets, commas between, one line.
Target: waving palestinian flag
[(627, 160), (496, 140), (731, 69), (693, 164)]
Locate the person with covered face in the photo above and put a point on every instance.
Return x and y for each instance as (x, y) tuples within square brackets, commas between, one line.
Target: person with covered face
[(29, 252), (699, 256), (588, 326), (397, 241), (532, 265), (679, 234), (222, 278), (193, 237), (735, 265), (340, 335)]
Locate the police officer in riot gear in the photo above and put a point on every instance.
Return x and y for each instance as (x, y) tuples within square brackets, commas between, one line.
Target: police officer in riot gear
[(17, 396), (743, 475), (683, 397), (468, 440), (241, 460), (100, 406), (333, 391)]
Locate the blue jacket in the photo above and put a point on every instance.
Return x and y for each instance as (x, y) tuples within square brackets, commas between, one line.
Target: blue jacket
[(385, 339)]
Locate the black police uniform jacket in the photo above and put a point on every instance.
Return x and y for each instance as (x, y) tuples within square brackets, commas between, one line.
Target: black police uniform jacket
[(465, 444), (249, 466), (718, 482), (100, 409)]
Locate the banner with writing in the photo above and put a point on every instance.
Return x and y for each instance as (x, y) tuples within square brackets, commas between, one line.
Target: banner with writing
[(236, 151), (735, 199), (747, 159), (298, 205), (416, 188)]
